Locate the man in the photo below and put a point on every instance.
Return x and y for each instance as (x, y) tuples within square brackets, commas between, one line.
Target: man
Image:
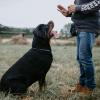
[(85, 15)]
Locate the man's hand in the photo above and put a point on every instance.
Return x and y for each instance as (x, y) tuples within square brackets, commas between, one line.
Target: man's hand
[(72, 9), (62, 10)]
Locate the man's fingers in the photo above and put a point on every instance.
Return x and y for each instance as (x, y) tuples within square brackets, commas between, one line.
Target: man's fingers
[(62, 11), (61, 7), (59, 10), (72, 8)]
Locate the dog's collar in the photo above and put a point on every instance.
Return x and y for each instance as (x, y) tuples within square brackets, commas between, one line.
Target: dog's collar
[(42, 49)]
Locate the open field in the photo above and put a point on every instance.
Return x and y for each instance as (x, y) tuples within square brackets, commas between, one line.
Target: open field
[(64, 72)]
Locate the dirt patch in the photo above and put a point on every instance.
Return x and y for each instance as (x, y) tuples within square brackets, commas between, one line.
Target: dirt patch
[(23, 40), (19, 39)]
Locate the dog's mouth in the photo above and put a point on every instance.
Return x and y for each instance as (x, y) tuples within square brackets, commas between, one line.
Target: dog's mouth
[(51, 26)]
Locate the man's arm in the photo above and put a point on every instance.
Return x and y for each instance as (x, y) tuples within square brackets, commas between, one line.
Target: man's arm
[(85, 8), (89, 7)]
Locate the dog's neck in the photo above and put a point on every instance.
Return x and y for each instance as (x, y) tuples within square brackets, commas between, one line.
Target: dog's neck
[(40, 43)]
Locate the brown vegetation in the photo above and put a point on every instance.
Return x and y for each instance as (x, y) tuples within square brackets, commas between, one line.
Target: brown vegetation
[(18, 39)]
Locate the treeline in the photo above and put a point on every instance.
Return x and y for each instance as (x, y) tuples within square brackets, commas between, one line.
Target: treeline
[(13, 30)]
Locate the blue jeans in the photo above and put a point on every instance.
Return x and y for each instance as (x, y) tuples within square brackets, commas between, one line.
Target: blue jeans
[(85, 41)]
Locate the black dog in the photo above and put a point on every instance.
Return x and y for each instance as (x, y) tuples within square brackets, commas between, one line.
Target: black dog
[(33, 66)]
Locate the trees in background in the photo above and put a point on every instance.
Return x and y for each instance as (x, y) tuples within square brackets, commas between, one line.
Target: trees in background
[(12, 30), (65, 31)]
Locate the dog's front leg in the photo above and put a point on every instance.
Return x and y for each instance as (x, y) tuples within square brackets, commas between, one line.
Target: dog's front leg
[(42, 84)]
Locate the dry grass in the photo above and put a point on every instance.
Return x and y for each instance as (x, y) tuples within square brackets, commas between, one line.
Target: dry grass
[(64, 73)]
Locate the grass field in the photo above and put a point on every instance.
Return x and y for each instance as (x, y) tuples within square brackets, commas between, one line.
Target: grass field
[(64, 73)]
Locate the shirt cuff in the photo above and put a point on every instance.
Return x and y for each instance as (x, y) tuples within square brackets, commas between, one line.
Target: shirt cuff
[(78, 8)]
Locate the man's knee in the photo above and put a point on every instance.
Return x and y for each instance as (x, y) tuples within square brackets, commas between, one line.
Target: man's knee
[(86, 61)]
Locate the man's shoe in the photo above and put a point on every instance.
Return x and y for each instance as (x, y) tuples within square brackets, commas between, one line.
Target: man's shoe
[(86, 91), (81, 89), (78, 87)]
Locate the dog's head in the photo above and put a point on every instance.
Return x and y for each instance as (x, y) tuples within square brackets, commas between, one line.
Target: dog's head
[(44, 30)]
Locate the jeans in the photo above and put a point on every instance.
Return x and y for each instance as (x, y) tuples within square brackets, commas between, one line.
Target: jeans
[(85, 41)]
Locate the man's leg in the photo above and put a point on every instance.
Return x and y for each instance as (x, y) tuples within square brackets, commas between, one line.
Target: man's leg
[(82, 71), (85, 58)]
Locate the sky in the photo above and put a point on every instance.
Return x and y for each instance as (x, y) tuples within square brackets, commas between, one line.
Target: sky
[(30, 13)]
